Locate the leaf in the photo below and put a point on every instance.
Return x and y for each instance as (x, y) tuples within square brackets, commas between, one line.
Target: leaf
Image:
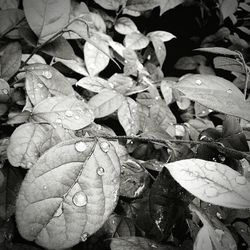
[(4, 91), (94, 84), (215, 93), (166, 5), (10, 60), (9, 4), (125, 25), (212, 182), (160, 49), (109, 4), (228, 63), (128, 116), (34, 59), (202, 240), (98, 22), (43, 81), (141, 5), (164, 36), (228, 7), (18, 118), (9, 19), (70, 192), (105, 103), (47, 17), (96, 59), (244, 230), (186, 63), (135, 243), (167, 91), (219, 51), (136, 41), (8, 191), (121, 83), (64, 111)]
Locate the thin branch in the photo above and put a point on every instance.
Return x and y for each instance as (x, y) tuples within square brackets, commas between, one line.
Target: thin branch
[(11, 28)]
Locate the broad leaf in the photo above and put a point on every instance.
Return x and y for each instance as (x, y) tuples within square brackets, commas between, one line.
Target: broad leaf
[(70, 192), (10, 60), (167, 91), (160, 49), (141, 5), (215, 93), (106, 102), (9, 4), (96, 58), (128, 116), (136, 41), (227, 63), (63, 111), (186, 63), (228, 7), (94, 84), (47, 17), (125, 25), (110, 4), (34, 59), (4, 91), (164, 36), (212, 182), (9, 19), (121, 83), (219, 51)]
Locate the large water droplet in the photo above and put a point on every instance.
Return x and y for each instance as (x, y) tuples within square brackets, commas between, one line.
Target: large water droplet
[(44, 187), (58, 120), (5, 91), (69, 113), (229, 91), (77, 117), (84, 236), (47, 74), (211, 192), (219, 215), (40, 85), (80, 146), (241, 180), (58, 211), (210, 167), (198, 82), (80, 199), (100, 171), (111, 85), (105, 146)]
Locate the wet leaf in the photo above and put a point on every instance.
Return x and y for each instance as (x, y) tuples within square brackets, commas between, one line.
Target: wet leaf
[(46, 18), (141, 5), (93, 83), (70, 191), (160, 49), (186, 63), (121, 83), (106, 102), (229, 64), (228, 7), (10, 60), (4, 91), (34, 59), (215, 93), (9, 4), (19, 118), (212, 182), (243, 230), (125, 25), (219, 51), (128, 116), (136, 41), (164, 36), (109, 4), (64, 111)]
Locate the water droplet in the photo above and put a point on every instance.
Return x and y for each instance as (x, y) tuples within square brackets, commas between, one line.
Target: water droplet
[(125, 61), (210, 110), (214, 159), (77, 117), (159, 48), (211, 192), (149, 57), (219, 215), (248, 169), (229, 91), (84, 237), (222, 158), (80, 146), (241, 180), (99, 127), (29, 165), (105, 146), (242, 230), (58, 211), (44, 187), (111, 85), (100, 171), (80, 199), (210, 167), (47, 74), (157, 97), (153, 245), (69, 113), (58, 120), (5, 91), (198, 82)]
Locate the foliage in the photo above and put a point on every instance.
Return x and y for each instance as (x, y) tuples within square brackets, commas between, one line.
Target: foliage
[(122, 130)]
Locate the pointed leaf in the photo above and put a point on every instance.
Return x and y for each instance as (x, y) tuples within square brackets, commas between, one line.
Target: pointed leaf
[(219, 51), (46, 18), (228, 7), (164, 36), (212, 182), (64, 111), (160, 49), (106, 102), (141, 5), (227, 63), (34, 59), (70, 192), (125, 25), (136, 41), (94, 84)]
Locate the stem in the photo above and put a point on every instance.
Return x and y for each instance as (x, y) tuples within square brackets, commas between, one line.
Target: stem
[(11, 28)]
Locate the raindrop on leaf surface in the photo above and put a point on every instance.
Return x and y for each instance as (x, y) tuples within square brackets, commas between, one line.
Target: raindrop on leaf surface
[(100, 171), (77, 117), (80, 146), (84, 236), (69, 113), (105, 146), (80, 199), (40, 85), (5, 91), (229, 91), (211, 192), (47, 74), (198, 82), (241, 180)]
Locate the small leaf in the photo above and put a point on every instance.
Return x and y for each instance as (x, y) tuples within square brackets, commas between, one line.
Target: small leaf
[(141, 5), (215, 93), (125, 25), (186, 63), (109, 4), (64, 111), (4, 91), (226, 63), (228, 7), (9, 4), (46, 18), (128, 116), (136, 41), (94, 84), (71, 191), (164, 36), (121, 83), (167, 91), (9, 19), (219, 51), (10, 60), (160, 49), (34, 59), (96, 59), (212, 182), (106, 102)]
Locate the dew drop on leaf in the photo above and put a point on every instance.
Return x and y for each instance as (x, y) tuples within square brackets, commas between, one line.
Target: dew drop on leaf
[(47, 74), (153, 245), (105, 146), (211, 192), (69, 113), (219, 215), (99, 127), (80, 146), (40, 85), (77, 117), (241, 180), (210, 167), (58, 121), (5, 91), (198, 82), (100, 171), (111, 85), (84, 236), (44, 187), (80, 199), (229, 91)]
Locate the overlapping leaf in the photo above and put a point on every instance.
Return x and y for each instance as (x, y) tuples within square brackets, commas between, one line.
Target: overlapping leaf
[(136, 41), (141, 5), (70, 192), (95, 83), (125, 25)]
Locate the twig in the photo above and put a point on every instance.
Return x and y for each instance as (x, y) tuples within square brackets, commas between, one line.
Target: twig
[(11, 28)]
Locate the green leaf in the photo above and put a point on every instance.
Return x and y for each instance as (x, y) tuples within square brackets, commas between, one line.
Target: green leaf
[(43, 81), (136, 41), (227, 63), (10, 60), (70, 192), (167, 91), (34, 59), (63, 111), (228, 7), (106, 102), (110, 4), (166, 5), (94, 84), (9, 4), (215, 93), (125, 25), (219, 51), (164, 36), (9, 19), (47, 17), (96, 59), (160, 49), (4, 91), (142, 5), (121, 83), (244, 230), (212, 182), (128, 116), (186, 63)]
